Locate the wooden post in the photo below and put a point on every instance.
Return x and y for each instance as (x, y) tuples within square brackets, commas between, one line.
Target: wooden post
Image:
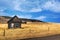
[(4, 33), (30, 31), (48, 28)]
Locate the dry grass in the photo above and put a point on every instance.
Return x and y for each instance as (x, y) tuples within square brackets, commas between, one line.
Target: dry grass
[(31, 30)]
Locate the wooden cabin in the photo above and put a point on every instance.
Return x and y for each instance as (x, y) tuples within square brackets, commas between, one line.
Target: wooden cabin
[(14, 22)]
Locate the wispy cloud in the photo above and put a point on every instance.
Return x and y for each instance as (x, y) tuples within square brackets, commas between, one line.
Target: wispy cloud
[(31, 5), (52, 6), (3, 14), (37, 5), (25, 16), (41, 18), (27, 6), (36, 10)]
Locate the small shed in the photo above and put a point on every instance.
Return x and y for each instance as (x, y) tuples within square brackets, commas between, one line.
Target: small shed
[(14, 22)]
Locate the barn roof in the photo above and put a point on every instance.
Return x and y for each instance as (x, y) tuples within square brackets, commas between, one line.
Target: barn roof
[(5, 19), (15, 19)]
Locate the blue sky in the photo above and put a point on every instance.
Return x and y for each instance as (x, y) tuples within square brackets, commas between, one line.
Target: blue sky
[(44, 10)]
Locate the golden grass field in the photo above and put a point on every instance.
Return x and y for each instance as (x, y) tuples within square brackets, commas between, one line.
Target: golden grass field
[(30, 30)]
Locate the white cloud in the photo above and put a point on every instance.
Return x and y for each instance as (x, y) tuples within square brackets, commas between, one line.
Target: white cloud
[(25, 16), (27, 6), (3, 13), (31, 5), (41, 18), (1, 10), (36, 6), (36, 10), (52, 6), (16, 5)]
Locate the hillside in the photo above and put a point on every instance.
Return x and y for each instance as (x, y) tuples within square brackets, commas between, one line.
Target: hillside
[(5, 19)]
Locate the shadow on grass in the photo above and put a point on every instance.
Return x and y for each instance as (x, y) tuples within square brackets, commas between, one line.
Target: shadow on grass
[(53, 37)]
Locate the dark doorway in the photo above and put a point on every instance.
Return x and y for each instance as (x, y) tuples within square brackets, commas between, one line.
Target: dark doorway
[(17, 25)]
